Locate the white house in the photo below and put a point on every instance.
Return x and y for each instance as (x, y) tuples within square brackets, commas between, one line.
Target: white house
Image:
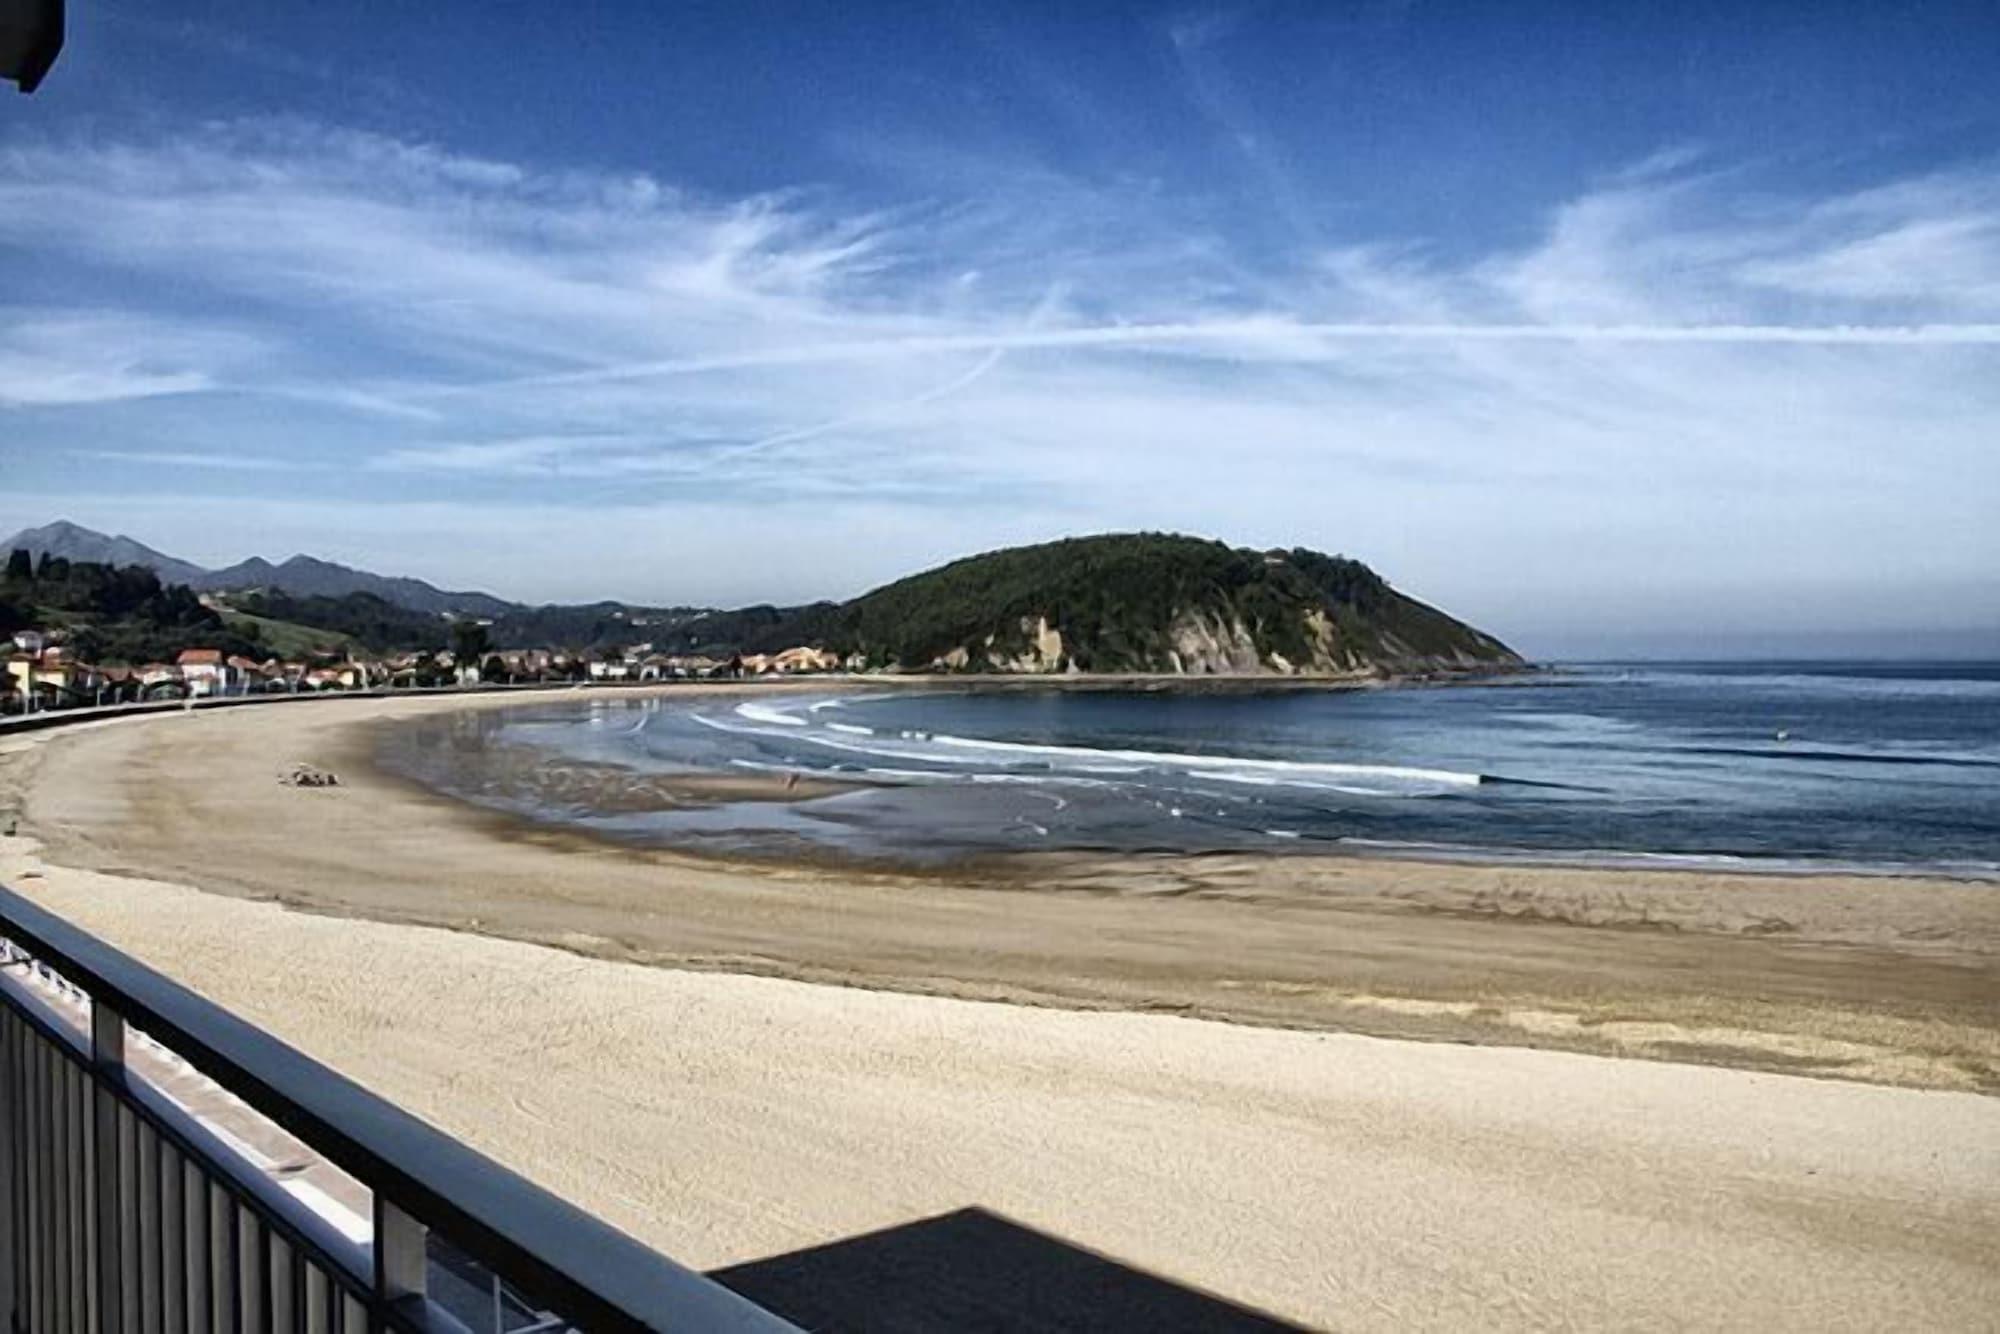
[(205, 671)]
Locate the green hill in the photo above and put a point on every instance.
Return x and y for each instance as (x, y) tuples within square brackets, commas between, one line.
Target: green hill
[(314, 623), (112, 614), (287, 639), (1147, 602), (1119, 603)]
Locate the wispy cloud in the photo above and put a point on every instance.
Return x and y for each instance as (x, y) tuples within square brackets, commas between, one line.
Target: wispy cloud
[(220, 461), (1801, 373), (50, 358), (1275, 340)]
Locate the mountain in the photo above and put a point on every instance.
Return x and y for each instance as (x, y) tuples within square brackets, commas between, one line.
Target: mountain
[(1116, 603), (306, 576), (74, 542), (302, 576), (1145, 603), (1154, 602)]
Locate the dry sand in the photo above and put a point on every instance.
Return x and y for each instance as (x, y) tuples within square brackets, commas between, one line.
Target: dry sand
[(1338, 1180)]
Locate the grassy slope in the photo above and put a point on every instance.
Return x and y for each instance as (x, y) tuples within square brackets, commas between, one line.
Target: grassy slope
[(285, 639)]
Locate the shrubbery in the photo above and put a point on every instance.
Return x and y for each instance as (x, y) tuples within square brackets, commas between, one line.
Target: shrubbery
[(113, 613)]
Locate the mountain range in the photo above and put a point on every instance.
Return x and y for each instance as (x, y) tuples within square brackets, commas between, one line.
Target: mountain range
[(1116, 603), (301, 576)]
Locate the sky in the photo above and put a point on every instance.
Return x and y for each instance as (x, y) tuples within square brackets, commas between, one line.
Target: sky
[(1616, 330)]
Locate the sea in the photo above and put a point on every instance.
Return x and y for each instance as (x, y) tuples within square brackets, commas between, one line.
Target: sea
[(1781, 766)]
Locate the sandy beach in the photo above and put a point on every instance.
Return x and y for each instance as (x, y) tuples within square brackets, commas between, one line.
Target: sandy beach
[(741, 1062)]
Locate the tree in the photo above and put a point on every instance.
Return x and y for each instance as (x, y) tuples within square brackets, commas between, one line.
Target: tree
[(469, 642), (20, 565), (492, 669)]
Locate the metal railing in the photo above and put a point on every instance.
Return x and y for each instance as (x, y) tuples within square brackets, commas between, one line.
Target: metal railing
[(122, 1212)]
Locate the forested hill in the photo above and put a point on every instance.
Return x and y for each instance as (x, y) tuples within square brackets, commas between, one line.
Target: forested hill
[(1147, 602), (112, 614), (1121, 603)]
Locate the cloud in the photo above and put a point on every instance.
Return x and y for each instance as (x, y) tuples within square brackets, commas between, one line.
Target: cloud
[(58, 358), (1679, 372), (180, 459), (1952, 259)]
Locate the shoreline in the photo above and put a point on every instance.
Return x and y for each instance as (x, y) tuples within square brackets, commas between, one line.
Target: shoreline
[(742, 1066), (1888, 979), (706, 788), (1221, 682)]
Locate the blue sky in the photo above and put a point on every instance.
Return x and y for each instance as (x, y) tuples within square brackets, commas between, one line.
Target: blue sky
[(1612, 328)]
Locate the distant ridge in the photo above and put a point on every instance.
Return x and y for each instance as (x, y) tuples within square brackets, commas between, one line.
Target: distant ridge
[(308, 576), (302, 576)]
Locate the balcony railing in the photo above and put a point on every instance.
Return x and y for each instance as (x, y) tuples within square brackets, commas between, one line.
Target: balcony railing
[(123, 1212)]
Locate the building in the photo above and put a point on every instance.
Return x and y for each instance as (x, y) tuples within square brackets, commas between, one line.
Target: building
[(247, 673), (118, 685), (204, 671), (804, 659), (532, 664), (46, 680), (613, 669), (158, 679), (789, 661), (695, 665)]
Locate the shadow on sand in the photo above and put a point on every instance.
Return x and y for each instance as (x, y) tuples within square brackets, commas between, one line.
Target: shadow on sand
[(976, 1271)]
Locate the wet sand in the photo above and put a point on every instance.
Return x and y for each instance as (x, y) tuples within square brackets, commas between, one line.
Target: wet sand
[(1892, 980), (1328, 1178)]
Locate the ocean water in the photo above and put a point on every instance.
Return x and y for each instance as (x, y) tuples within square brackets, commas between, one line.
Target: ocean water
[(1772, 765)]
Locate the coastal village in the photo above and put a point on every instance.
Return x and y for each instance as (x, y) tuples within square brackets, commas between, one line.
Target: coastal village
[(44, 673), (78, 633), (103, 628)]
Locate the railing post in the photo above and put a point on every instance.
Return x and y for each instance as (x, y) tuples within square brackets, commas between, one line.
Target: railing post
[(401, 1268), (107, 1056), (11, 1132)]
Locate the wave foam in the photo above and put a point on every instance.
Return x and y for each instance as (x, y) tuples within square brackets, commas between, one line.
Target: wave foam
[(1070, 763), (764, 713), (1220, 765)]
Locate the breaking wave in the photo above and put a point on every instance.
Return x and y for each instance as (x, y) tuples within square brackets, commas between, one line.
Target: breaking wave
[(1892, 768), (1079, 763), (763, 713)]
